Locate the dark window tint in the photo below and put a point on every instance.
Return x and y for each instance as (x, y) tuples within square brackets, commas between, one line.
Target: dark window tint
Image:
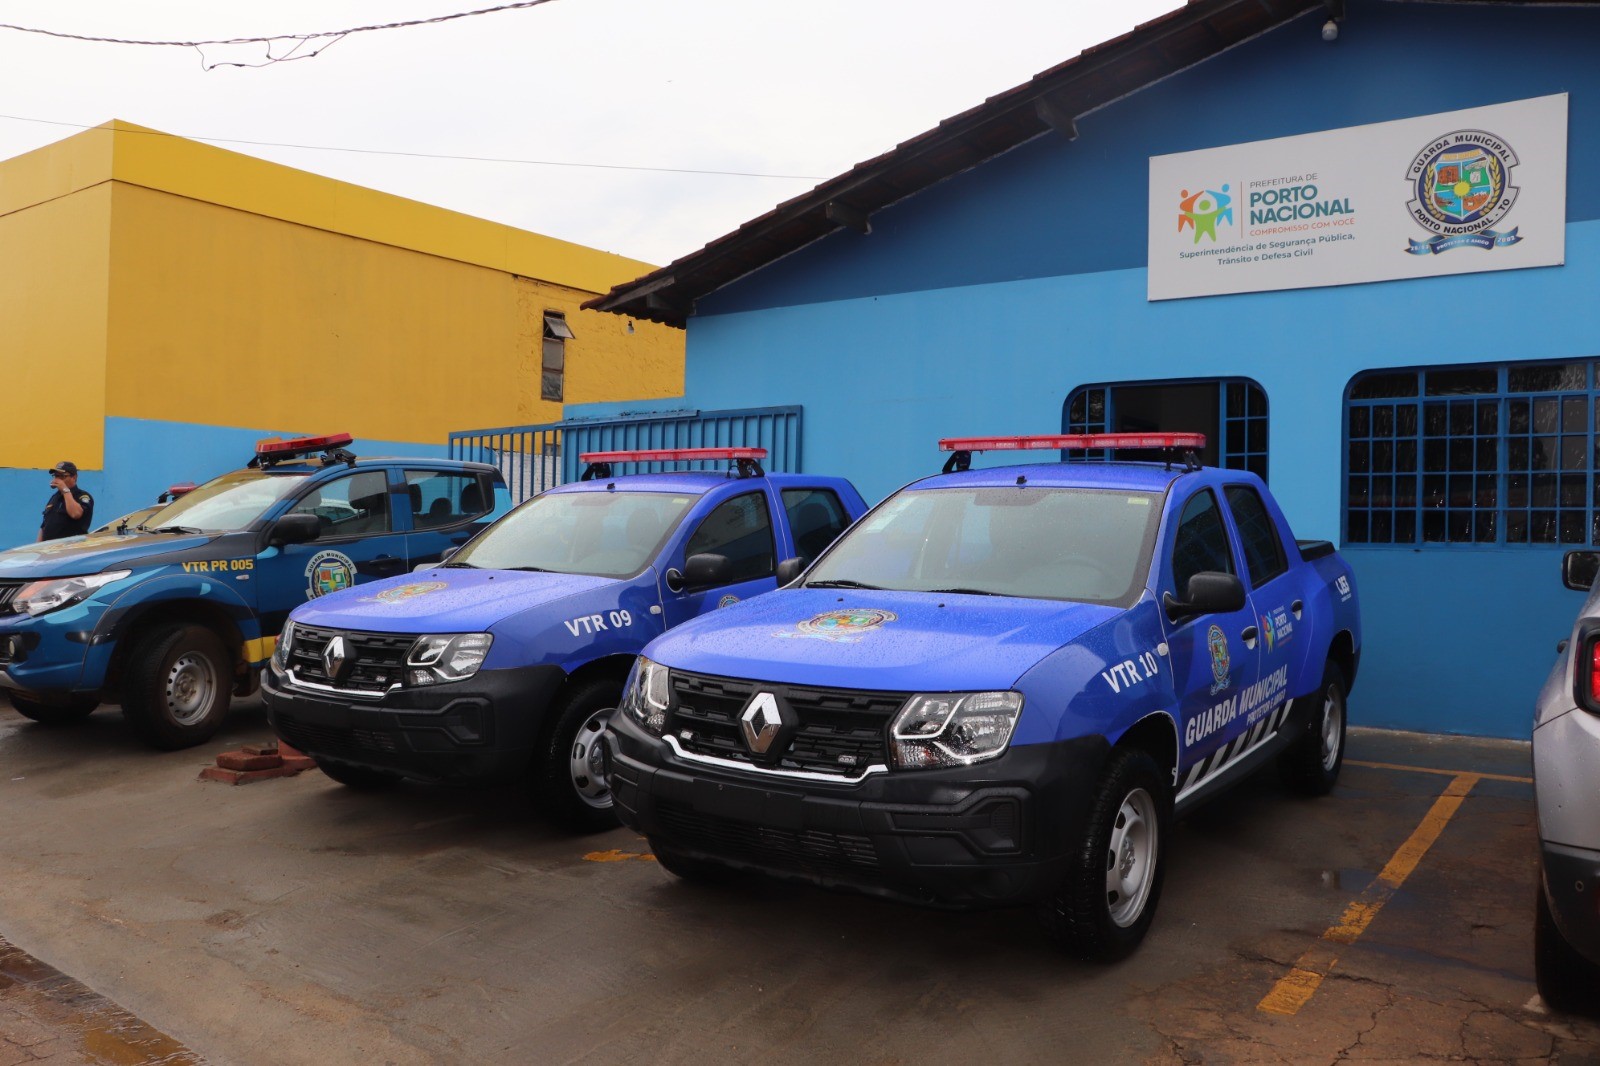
[(351, 506), (1202, 543), (1263, 551), (441, 499), (815, 519), (739, 530)]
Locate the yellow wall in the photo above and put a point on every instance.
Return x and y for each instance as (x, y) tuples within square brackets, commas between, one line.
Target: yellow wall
[(226, 318), (53, 271)]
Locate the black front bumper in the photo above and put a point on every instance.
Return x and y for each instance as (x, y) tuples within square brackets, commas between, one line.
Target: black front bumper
[(1572, 885), (995, 834), (480, 730)]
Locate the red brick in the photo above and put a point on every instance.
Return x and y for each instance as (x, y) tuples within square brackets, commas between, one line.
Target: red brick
[(299, 762), (269, 747), (245, 760), (244, 777)]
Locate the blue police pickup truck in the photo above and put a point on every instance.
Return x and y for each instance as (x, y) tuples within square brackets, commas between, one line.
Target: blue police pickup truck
[(506, 662), (173, 616), (999, 687)]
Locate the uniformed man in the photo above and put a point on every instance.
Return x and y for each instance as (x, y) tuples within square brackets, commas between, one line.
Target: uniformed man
[(71, 509)]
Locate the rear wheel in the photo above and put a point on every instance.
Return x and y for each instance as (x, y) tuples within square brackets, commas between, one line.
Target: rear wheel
[(361, 778), (54, 713), (1310, 766), (570, 781), (1567, 981), (1109, 899), (178, 684)]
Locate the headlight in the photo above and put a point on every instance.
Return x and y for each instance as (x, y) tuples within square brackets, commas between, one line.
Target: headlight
[(647, 695), (446, 657), (953, 728), (41, 596), (285, 639)]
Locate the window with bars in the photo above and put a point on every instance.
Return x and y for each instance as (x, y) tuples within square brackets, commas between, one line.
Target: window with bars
[(553, 356), (1231, 412), (1488, 454)]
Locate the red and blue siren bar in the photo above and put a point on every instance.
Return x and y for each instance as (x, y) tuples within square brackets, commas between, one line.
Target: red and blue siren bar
[(1075, 441), (275, 446), (672, 455)]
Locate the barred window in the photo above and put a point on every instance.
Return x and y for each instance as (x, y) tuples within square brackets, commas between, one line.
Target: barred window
[(1231, 412), (1487, 454)]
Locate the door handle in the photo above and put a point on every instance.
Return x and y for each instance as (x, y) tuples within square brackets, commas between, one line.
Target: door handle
[(1249, 636), (384, 564), (1297, 606)]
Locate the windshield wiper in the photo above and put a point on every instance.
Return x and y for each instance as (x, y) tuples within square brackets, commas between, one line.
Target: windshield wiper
[(530, 569), (968, 592), (457, 566), (172, 529), (842, 583)]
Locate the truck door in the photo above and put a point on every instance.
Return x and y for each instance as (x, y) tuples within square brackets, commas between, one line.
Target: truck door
[(358, 544), (446, 509), (1275, 602), (816, 518), (1214, 658), (740, 530)]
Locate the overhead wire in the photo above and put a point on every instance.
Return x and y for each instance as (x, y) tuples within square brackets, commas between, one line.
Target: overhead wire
[(433, 155)]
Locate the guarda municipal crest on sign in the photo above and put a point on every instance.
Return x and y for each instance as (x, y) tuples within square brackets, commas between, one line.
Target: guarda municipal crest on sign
[(1461, 188)]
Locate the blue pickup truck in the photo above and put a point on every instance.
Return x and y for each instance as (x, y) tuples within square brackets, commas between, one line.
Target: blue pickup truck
[(999, 687), (173, 615), (505, 662)]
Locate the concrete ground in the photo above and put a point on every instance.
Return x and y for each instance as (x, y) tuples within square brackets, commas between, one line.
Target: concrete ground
[(295, 921)]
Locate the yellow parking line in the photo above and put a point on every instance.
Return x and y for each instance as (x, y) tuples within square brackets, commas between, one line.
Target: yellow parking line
[(1434, 770), (1295, 990)]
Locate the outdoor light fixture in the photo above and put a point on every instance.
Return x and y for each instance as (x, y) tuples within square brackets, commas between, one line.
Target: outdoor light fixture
[(1330, 31)]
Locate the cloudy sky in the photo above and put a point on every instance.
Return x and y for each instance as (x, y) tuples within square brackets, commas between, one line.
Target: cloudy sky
[(803, 88)]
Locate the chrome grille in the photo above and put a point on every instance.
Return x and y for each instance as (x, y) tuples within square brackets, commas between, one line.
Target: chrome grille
[(378, 659)]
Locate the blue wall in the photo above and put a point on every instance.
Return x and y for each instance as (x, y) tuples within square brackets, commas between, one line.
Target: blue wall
[(976, 306), (143, 457)]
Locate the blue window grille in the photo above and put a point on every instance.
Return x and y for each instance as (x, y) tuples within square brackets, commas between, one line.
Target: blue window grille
[(1241, 418), (1486, 454)]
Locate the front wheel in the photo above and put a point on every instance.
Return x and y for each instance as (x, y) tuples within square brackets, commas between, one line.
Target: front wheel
[(1567, 981), (1310, 766), (177, 686), (66, 712), (570, 781), (1109, 899)]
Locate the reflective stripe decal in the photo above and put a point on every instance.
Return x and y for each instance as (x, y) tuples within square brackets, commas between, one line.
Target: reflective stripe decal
[(1226, 756)]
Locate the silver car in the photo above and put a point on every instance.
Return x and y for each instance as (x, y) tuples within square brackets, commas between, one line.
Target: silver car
[(1566, 781)]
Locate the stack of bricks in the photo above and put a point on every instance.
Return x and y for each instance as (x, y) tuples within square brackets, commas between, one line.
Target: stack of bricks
[(257, 762)]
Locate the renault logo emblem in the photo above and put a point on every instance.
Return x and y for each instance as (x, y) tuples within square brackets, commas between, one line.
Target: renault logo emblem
[(760, 722), (333, 657)]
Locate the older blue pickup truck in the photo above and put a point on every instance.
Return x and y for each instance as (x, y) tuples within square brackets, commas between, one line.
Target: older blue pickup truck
[(506, 661), (998, 687)]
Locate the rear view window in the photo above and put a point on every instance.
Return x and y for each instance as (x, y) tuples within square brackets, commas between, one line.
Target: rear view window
[(439, 498)]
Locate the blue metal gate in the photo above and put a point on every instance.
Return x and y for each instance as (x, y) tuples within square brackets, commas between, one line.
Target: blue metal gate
[(533, 458)]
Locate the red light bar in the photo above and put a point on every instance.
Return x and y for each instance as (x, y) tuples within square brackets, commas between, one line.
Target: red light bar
[(180, 489), (297, 445), (1076, 441), (669, 455)]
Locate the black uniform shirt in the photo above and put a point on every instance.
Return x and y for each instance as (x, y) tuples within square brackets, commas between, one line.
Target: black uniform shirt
[(58, 523)]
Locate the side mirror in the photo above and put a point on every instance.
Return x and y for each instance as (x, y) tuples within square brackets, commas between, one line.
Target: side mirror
[(788, 570), (1210, 592), (704, 570), (295, 529), (1578, 569)]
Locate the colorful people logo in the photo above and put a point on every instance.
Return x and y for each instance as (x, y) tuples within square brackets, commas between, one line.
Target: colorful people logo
[(1202, 210)]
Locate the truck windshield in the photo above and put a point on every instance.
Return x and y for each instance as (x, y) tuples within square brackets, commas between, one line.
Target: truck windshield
[(227, 503), (1090, 545), (607, 534)]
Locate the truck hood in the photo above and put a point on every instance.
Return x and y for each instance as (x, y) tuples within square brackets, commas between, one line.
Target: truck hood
[(894, 641), (94, 553), (442, 601)]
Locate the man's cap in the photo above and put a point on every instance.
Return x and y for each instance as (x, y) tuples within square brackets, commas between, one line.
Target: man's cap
[(64, 469)]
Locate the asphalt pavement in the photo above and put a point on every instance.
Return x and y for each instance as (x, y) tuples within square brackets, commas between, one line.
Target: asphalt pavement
[(147, 917)]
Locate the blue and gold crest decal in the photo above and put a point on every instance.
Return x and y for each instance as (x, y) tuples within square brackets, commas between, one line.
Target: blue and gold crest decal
[(1221, 664), (1461, 187)]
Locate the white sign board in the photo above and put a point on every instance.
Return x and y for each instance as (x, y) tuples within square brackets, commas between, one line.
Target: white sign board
[(1456, 193)]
